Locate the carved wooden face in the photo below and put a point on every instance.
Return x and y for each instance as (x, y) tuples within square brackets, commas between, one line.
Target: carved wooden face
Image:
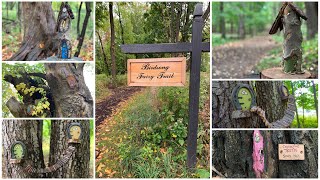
[(18, 151), (244, 97), (75, 132)]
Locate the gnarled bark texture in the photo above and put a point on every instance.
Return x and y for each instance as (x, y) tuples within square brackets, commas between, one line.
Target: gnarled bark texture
[(30, 133), (232, 154), (267, 97), (71, 96), (39, 27), (78, 165)]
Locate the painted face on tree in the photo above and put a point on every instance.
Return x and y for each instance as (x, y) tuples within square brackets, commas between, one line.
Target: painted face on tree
[(244, 97), (18, 151), (75, 132)]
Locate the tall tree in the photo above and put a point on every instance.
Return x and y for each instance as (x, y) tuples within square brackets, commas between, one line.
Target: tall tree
[(232, 154), (312, 22), (112, 47), (77, 166), (222, 22)]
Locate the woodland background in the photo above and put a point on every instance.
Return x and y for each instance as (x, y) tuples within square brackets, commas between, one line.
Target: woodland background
[(240, 36)]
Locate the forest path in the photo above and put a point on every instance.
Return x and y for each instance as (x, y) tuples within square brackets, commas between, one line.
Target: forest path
[(237, 59), (105, 108)]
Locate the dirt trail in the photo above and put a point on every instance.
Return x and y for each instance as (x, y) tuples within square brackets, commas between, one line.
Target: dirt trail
[(105, 108), (237, 60)]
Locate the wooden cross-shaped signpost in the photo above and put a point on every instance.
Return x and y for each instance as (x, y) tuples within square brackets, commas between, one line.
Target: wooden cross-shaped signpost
[(196, 47)]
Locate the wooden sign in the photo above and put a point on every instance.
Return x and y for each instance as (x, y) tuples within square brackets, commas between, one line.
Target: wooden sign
[(291, 151), (157, 72)]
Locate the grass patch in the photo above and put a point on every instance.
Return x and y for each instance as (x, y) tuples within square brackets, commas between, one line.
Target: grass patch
[(147, 137), (104, 85), (307, 122)]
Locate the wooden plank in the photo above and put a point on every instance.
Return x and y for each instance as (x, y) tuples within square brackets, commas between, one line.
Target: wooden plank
[(157, 72), (291, 151), (162, 48)]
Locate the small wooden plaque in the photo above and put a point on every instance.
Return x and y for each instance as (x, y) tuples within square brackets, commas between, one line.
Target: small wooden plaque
[(157, 72), (291, 151)]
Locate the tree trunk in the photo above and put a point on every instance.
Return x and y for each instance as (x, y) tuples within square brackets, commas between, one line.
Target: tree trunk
[(84, 28), (30, 133), (241, 26), (232, 154), (79, 17), (71, 96), (222, 107), (64, 90), (112, 46), (315, 98), (103, 53), (222, 22), (268, 99), (312, 22), (38, 41), (293, 93), (78, 164)]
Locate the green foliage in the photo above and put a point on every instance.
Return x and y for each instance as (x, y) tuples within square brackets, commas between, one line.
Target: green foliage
[(308, 122), (141, 23)]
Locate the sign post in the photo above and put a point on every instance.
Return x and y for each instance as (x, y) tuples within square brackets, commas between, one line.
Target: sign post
[(196, 47)]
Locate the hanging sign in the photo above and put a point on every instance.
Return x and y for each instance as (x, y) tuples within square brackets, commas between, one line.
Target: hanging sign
[(157, 72), (291, 151)]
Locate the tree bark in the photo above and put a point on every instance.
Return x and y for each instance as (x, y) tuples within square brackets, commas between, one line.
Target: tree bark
[(267, 97), (79, 17), (103, 52), (232, 154), (78, 165), (84, 28), (293, 92), (30, 133), (241, 26), (71, 96), (222, 22), (312, 23), (112, 46), (38, 41), (315, 97), (222, 107)]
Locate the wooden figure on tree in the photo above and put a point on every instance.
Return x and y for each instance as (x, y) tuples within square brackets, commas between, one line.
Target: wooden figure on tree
[(289, 21), (64, 18)]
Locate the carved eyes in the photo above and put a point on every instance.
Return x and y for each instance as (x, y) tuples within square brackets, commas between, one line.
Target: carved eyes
[(244, 92)]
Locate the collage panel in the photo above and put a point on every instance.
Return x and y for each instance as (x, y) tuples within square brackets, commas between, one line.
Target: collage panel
[(265, 154), (57, 149), (141, 123), (47, 90), (265, 40), (265, 104), (47, 31)]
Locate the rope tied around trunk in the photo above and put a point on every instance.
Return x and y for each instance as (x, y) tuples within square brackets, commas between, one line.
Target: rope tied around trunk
[(285, 121)]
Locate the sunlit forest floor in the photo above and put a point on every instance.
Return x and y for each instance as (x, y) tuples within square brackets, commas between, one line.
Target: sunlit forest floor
[(133, 140), (234, 58), (238, 59)]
